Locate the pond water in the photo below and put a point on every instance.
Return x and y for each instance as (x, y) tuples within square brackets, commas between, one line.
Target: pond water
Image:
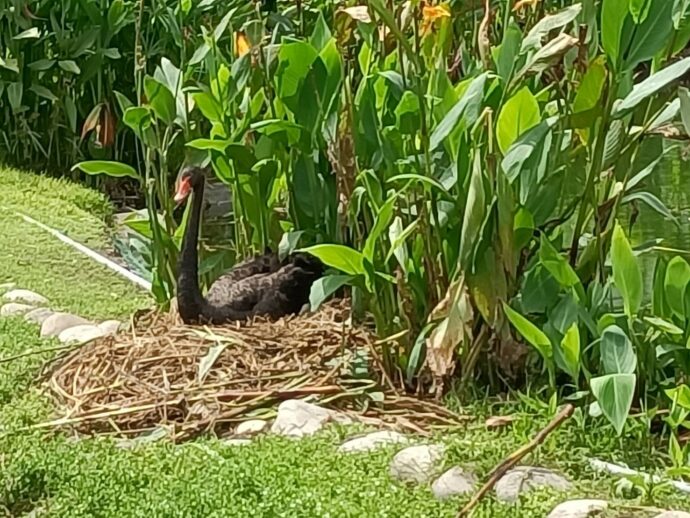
[(670, 182)]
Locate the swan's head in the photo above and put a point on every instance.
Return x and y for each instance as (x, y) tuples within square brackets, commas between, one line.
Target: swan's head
[(189, 178)]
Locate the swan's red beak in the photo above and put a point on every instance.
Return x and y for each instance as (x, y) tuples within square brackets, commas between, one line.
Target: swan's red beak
[(183, 190)]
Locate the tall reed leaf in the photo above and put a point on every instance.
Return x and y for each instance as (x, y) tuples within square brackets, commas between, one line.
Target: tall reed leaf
[(652, 85), (530, 332), (626, 272)]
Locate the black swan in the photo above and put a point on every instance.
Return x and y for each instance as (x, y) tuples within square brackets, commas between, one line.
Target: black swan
[(261, 286)]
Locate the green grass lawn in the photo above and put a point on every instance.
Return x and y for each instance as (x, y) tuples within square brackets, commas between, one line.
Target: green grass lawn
[(54, 474)]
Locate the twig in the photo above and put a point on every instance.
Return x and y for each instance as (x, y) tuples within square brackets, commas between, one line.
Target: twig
[(35, 351), (516, 457)]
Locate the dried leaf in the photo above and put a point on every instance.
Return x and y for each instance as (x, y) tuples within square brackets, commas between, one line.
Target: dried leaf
[(453, 331), (499, 421), (550, 54), (524, 3), (91, 121), (105, 131), (483, 41)]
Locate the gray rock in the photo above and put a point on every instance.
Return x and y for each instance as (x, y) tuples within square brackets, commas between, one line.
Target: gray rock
[(80, 334), (251, 427), (7, 286), (110, 327), (14, 309), (57, 323), (524, 478), (25, 297), (371, 441), (455, 481), (673, 514), (579, 509), (38, 315), (297, 418), (417, 463)]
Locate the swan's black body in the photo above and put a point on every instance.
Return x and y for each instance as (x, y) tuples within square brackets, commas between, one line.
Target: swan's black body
[(262, 285)]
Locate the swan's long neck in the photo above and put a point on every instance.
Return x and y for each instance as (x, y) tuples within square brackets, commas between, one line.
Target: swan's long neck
[(190, 301)]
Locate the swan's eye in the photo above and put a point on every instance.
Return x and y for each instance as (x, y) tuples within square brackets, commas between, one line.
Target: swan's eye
[(183, 190)]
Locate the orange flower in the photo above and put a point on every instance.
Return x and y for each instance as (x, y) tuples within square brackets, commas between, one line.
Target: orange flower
[(242, 45), (524, 3), (432, 13)]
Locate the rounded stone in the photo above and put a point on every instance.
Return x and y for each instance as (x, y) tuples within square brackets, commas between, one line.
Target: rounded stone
[(524, 478), (110, 327), (298, 418), (38, 315), (57, 323), (371, 441), (417, 463), (25, 297), (455, 481), (14, 309), (80, 334), (579, 509), (251, 427)]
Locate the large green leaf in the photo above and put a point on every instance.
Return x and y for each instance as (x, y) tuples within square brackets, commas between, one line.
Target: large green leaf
[(341, 257), (651, 35), (675, 285), (507, 53), (161, 100), (613, 15), (556, 264), (570, 349), (470, 102), (519, 114), (614, 392), (530, 332), (114, 169), (475, 213), (626, 272), (591, 87), (383, 219), (652, 85), (526, 149), (208, 106), (680, 396), (617, 352), (325, 287), (294, 63)]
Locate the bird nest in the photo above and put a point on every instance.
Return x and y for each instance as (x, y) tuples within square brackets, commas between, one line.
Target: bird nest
[(192, 379)]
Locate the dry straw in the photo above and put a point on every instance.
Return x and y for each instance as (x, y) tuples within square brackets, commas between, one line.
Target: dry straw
[(196, 379)]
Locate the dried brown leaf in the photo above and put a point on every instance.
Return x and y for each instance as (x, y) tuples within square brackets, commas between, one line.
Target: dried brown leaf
[(453, 331), (499, 421)]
